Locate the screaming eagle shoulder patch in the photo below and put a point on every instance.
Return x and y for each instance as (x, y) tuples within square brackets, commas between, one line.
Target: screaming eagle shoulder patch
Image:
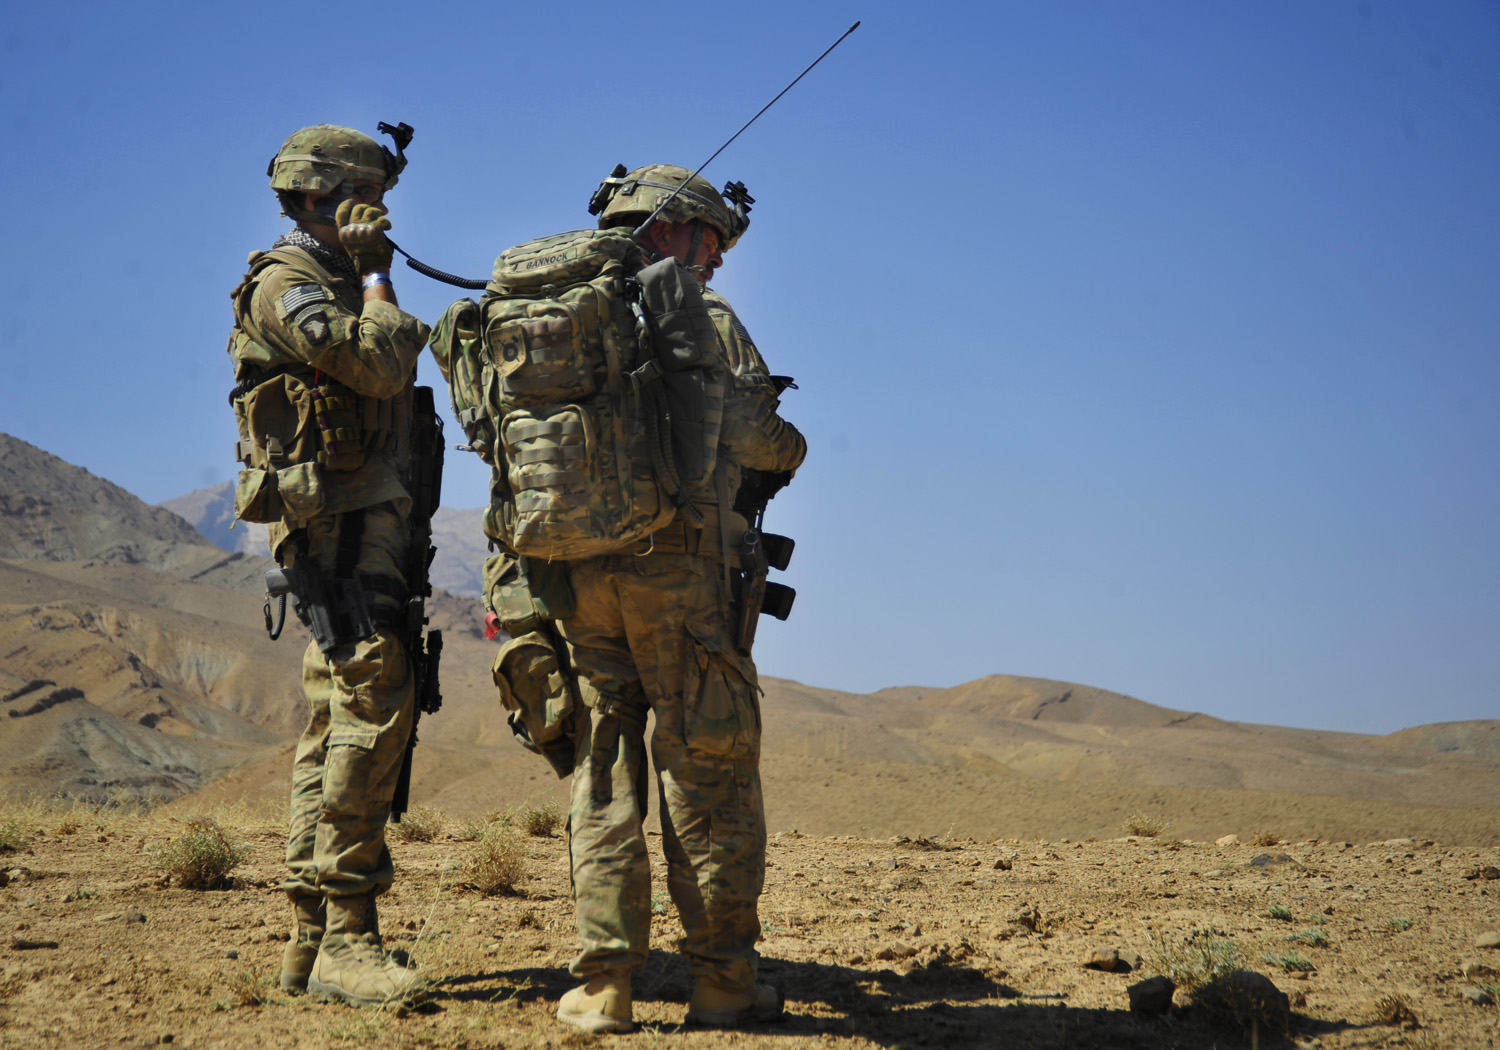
[(313, 324)]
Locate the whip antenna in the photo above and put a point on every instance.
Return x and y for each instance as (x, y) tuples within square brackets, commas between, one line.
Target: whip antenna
[(641, 229)]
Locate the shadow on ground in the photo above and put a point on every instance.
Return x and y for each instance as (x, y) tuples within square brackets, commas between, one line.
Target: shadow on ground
[(941, 1005)]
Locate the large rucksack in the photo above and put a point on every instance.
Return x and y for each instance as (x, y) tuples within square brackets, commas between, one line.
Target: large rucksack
[(586, 379)]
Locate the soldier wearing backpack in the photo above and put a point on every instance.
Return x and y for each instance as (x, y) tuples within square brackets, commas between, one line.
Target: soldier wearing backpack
[(324, 365), (619, 403)]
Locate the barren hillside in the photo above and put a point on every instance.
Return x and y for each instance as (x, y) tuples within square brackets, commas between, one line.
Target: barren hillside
[(134, 663)]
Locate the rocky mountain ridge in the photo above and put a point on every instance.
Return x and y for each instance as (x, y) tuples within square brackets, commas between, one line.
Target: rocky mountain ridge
[(134, 665), (457, 533)]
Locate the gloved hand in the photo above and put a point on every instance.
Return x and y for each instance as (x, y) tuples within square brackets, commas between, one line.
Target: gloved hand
[(362, 233)]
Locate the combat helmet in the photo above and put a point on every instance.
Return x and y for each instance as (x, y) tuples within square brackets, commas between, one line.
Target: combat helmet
[(330, 161), (628, 199)]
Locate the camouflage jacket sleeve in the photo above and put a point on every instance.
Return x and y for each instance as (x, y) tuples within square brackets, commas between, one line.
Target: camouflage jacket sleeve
[(754, 434), (300, 313)]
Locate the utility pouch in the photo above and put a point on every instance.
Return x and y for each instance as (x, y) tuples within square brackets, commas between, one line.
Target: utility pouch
[(301, 492), (534, 690), (255, 496), (524, 593), (682, 333), (282, 481), (684, 345), (279, 418), (457, 343)]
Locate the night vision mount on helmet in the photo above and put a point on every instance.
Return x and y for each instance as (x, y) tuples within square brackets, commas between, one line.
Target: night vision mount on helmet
[(671, 194)]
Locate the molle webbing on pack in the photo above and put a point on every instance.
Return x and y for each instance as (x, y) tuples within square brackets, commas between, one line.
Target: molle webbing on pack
[(584, 378), (557, 341)]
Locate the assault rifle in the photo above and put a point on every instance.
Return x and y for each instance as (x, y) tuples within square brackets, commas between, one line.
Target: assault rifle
[(424, 653), (761, 551)]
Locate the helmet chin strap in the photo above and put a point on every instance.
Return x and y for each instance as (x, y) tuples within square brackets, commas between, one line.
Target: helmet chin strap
[(693, 248)]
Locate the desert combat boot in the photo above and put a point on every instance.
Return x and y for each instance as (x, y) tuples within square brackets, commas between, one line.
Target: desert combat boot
[(716, 1007), (352, 964), (601, 1005), (308, 918)]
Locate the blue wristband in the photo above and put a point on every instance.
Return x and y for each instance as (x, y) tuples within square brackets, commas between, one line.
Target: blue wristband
[(377, 278)]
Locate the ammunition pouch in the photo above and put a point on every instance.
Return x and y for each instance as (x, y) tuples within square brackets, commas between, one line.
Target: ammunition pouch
[(290, 433), (758, 554), (524, 593)]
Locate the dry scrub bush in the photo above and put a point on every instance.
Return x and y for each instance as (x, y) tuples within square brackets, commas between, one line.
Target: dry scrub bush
[(60, 816), (246, 989), (1146, 825), (419, 824), (12, 836), (1312, 936), (202, 857), (1394, 1009), (1204, 956), (1265, 838), (1279, 912), (1398, 923), (496, 863), (540, 821), (1290, 961)]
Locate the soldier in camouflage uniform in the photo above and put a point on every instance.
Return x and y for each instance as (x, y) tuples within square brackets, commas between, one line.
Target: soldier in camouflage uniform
[(320, 344), (654, 630)]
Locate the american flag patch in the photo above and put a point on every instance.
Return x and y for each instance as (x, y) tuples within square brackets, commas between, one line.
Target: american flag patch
[(300, 295), (739, 330)]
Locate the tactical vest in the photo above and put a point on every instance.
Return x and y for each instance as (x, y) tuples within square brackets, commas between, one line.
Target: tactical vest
[(587, 380), (294, 422)]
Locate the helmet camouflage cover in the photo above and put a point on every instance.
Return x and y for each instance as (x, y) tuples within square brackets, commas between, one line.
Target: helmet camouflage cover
[(623, 199), (321, 158)]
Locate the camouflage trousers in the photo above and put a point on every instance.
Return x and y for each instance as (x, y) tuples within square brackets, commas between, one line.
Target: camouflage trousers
[(360, 701), (652, 632)]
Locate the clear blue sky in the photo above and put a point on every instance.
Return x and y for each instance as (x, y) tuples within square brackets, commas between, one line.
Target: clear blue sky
[(1150, 346)]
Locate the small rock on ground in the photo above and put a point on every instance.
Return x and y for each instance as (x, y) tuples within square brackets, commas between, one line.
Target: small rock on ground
[(1105, 959), (1152, 996), (1472, 968), (1490, 939)]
